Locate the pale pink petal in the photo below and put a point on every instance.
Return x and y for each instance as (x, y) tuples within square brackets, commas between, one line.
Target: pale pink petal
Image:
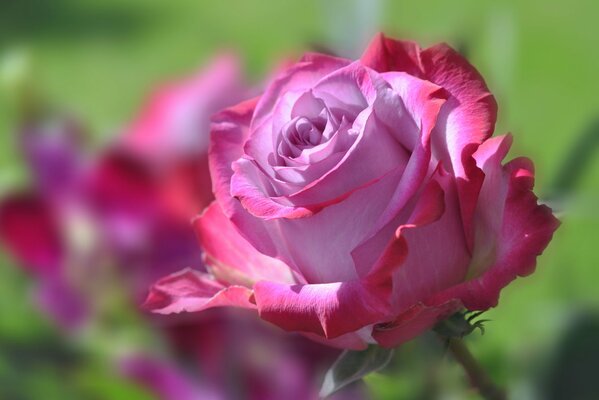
[(299, 77), (438, 256), (249, 184), (312, 246), (192, 291), (228, 133), (230, 258)]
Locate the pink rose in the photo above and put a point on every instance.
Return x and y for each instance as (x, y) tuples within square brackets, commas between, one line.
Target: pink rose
[(361, 202)]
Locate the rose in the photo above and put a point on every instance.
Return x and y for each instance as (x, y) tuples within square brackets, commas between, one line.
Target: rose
[(361, 202)]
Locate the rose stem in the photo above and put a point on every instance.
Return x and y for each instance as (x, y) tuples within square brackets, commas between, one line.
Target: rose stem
[(477, 375)]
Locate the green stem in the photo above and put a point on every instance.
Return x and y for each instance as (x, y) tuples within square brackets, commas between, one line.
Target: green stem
[(479, 379)]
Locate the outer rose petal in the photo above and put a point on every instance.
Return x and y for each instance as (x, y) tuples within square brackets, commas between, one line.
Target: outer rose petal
[(29, 229), (470, 112), (467, 118), (383, 54), (228, 133), (414, 264), (193, 291), (327, 309), (230, 258), (334, 309), (526, 230), (437, 253), (488, 212)]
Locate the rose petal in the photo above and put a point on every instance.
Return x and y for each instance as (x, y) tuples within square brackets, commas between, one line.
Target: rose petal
[(230, 258), (192, 291), (470, 112), (423, 102), (249, 185), (327, 309), (526, 230), (299, 77), (437, 253), (383, 54), (328, 237), (228, 133), (373, 143), (467, 118), (324, 309)]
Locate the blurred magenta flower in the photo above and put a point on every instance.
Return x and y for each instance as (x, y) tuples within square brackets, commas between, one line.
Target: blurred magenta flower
[(362, 201), (129, 206), (34, 222)]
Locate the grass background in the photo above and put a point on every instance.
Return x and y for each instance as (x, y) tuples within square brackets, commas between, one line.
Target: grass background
[(100, 58)]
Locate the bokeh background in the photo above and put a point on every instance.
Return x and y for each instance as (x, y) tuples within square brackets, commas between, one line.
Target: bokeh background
[(99, 59)]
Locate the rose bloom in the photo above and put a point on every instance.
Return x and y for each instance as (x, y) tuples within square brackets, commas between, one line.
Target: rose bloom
[(362, 202)]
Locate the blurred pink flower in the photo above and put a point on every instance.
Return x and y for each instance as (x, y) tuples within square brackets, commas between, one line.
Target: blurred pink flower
[(130, 206)]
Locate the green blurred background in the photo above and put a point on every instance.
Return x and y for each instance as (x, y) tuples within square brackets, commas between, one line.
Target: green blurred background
[(99, 59)]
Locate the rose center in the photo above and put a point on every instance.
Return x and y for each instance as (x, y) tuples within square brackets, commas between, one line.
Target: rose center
[(302, 132)]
